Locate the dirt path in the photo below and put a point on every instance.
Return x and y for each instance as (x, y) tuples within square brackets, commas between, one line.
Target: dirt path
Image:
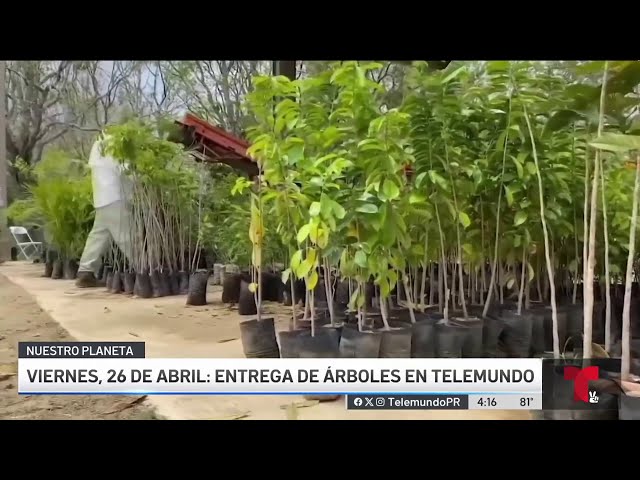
[(21, 319)]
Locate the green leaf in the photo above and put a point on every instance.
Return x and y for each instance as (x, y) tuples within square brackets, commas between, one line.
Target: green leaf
[(370, 144), (385, 288), (303, 233), (338, 210), (415, 197), (437, 179), (325, 206), (361, 259), (617, 142), (390, 189), (625, 80), (509, 195), (454, 74), (520, 218), (464, 219), (518, 167), (420, 179), (559, 120), (314, 209), (531, 168), (367, 208)]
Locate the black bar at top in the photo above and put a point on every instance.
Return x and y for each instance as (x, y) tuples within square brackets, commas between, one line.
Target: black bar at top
[(81, 350)]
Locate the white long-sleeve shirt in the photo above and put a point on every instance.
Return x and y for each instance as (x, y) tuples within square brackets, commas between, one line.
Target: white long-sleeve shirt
[(109, 183)]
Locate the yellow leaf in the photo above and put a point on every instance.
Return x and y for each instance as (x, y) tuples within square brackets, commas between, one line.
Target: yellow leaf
[(253, 287), (313, 280), (312, 256), (313, 234)]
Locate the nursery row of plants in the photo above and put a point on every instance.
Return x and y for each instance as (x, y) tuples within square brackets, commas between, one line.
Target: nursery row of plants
[(506, 192), (177, 208), (494, 212)]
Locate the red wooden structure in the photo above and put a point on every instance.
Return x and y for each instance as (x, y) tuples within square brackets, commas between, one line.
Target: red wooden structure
[(216, 144)]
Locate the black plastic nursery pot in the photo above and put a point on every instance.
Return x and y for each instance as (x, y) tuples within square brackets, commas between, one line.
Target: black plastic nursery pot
[(160, 284), (48, 269), (449, 340), (547, 343), (70, 269), (320, 318), (117, 282), (128, 282), (491, 331), (58, 269), (50, 257), (197, 294), (598, 321), (369, 293), (471, 329), (259, 338), (342, 292), (246, 302), (320, 292), (322, 345), (575, 319), (218, 273), (183, 279), (231, 287), (396, 341), (174, 283), (271, 287), (423, 338), (299, 292), (539, 328), (142, 287), (165, 282), (628, 407), (517, 333), (357, 344), (109, 280), (288, 343)]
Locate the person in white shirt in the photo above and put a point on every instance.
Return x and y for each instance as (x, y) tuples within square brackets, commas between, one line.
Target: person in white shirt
[(111, 195)]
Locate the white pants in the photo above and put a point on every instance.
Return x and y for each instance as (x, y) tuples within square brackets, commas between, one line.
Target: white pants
[(111, 222)]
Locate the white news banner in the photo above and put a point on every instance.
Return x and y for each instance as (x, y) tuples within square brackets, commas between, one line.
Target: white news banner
[(183, 376)]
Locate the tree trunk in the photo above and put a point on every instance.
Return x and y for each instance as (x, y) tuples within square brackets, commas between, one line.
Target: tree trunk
[(554, 309), (591, 258), (607, 275), (626, 309)]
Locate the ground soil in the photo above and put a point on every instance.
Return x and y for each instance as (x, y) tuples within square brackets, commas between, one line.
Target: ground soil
[(21, 319)]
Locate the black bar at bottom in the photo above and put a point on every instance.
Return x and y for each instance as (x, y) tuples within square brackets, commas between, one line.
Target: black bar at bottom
[(407, 402)]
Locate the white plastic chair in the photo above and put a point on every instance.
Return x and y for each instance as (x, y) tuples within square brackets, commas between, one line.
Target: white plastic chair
[(34, 248)]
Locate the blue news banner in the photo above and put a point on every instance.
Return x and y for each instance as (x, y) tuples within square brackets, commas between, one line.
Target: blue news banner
[(446, 384)]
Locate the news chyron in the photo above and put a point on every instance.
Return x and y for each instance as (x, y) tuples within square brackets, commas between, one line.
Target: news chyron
[(121, 368)]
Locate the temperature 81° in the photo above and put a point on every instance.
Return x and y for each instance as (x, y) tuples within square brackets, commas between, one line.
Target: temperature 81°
[(526, 401)]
